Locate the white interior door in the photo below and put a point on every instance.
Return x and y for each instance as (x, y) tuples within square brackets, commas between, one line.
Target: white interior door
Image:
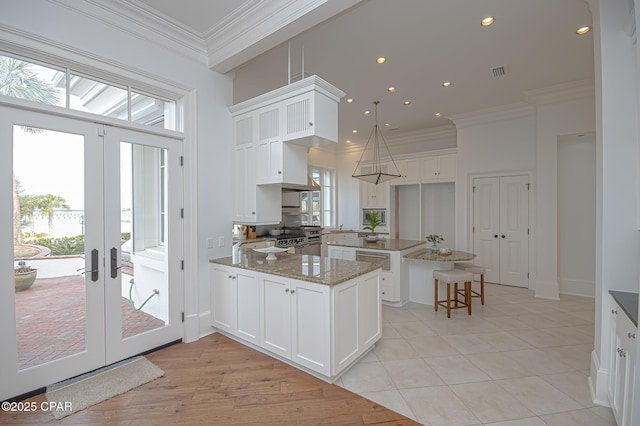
[(73, 186), (514, 225), (486, 226), (501, 228)]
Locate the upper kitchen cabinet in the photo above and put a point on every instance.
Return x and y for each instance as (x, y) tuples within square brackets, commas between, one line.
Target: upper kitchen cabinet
[(410, 171), (440, 168), (372, 195), (304, 113)]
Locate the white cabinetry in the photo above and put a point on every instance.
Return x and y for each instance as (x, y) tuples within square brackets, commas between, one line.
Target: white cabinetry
[(622, 372), (440, 168), (410, 171), (235, 302), (333, 237), (280, 162), (371, 195), (310, 119)]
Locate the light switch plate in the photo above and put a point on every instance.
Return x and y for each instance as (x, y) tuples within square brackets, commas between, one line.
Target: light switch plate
[(221, 241), (209, 243)]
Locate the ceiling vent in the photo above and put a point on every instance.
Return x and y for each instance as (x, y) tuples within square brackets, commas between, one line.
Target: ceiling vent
[(500, 71)]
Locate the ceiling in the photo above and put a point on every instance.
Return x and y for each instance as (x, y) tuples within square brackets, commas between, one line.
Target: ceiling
[(427, 42)]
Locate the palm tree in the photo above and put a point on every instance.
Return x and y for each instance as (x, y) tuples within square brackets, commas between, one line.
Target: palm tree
[(19, 81), (48, 203), (28, 206)]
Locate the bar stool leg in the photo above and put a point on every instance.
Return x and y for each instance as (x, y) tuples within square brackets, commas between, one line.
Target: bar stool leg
[(448, 300), (467, 295), (482, 288), (455, 294), (435, 281)]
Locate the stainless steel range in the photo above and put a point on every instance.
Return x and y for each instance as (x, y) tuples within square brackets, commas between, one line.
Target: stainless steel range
[(306, 240), (290, 241)]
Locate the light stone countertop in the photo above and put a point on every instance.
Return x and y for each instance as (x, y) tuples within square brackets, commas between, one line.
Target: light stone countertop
[(390, 244), (427, 254), (315, 269)]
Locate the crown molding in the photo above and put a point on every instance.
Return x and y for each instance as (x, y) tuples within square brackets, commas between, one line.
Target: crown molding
[(561, 93), (137, 19), (260, 25), (484, 116), (296, 88), (408, 138)]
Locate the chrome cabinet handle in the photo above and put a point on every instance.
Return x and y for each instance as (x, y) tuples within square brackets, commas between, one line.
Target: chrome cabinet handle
[(287, 290), (293, 291), (631, 335), (615, 312)]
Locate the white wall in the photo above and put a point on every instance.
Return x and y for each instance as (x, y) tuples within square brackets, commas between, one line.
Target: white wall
[(577, 214), (438, 207), (81, 38), (408, 212)]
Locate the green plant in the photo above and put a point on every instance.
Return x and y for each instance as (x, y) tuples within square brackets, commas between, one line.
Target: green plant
[(374, 220)]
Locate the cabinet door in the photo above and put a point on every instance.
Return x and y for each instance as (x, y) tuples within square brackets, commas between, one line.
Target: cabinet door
[(276, 315), (248, 306), (413, 170), (244, 193), (298, 116), (243, 130), (269, 123), (388, 287), (369, 310), (222, 298), (430, 168), (269, 161), (310, 320), (447, 167)]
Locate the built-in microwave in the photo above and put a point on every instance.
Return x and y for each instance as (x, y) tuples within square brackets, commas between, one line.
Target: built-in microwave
[(382, 216)]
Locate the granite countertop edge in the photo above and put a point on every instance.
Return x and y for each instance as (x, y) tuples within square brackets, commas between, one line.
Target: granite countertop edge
[(382, 244), (628, 301), (266, 268)]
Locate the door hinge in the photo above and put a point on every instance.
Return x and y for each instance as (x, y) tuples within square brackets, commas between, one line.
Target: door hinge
[(183, 317), (527, 231), (182, 160), (102, 131), (474, 189), (527, 275), (182, 265), (182, 213), (528, 185), (474, 229)]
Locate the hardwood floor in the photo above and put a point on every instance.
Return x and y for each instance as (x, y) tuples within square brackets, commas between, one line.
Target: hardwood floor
[(218, 381)]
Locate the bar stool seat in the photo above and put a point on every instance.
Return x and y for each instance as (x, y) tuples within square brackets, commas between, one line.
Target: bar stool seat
[(455, 277), (476, 270)]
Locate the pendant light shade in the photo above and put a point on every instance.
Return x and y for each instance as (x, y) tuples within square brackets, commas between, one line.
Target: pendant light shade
[(369, 167)]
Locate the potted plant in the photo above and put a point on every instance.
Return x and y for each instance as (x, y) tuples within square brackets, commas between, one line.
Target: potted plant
[(434, 239), (24, 276), (374, 220)]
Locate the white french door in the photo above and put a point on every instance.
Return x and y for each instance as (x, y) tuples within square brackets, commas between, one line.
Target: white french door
[(100, 211), (501, 228)]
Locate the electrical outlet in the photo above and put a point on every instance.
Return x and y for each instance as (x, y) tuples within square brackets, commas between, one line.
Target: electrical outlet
[(209, 243), (221, 241)]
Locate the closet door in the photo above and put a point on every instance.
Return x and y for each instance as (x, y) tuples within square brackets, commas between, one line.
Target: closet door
[(501, 228)]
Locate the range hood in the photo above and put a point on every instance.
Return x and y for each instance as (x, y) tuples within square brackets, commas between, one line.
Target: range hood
[(310, 186)]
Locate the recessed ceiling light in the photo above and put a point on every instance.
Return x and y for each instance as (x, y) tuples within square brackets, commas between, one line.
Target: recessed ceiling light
[(349, 100), (407, 102), (348, 141), (437, 114), (583, 30), (367, 112), (354, 131), (446, 84), (489, 20), (387, 124), (391, 89), (381, 60)]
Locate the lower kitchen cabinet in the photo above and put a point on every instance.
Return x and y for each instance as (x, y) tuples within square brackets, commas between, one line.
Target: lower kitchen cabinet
[(622, 362), (235, 302), (322, 328)]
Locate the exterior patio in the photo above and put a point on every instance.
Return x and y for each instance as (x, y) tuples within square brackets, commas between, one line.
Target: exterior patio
[(50, 320)]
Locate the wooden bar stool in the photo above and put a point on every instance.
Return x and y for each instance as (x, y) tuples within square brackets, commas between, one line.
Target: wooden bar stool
[(476, 270), (455, 276)]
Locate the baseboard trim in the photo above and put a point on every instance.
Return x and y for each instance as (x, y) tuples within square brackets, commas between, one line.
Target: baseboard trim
[(547, 290), (577, 287), (598, 379), (205, 324)]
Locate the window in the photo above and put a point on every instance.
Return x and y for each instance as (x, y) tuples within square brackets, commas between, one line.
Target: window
[(318, 207), (57, 85)]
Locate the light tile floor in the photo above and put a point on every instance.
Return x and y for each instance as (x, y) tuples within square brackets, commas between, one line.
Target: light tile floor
[(517, 361)]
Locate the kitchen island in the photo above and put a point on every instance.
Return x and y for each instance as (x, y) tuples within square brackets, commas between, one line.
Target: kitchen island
[(421, 266), (388, 253), (315, 313)]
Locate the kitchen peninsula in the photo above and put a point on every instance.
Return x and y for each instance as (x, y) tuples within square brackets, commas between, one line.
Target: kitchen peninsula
[(316, 313), (388, 253)]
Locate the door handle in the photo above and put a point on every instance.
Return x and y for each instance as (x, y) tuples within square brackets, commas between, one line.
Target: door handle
[(495, 236), (503, 236), (94, 265), (114, 263)]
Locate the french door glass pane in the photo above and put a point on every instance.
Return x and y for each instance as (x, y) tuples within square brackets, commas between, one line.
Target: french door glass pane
[(50, 300), (144, 272)]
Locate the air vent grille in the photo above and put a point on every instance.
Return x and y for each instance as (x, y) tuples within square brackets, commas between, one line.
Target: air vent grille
[(499, 71)]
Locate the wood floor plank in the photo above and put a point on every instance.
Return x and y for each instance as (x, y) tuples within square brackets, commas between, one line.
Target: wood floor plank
[(217, 381)]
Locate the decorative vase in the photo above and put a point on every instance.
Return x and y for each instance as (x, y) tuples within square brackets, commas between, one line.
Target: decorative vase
[(24, 280), (434, 248)]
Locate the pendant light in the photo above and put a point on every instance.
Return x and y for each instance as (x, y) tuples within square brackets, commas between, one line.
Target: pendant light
[(373, 171)]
